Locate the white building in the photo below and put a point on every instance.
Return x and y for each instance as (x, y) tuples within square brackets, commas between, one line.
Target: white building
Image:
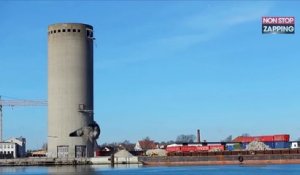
[(8, 150), (21, 145), (13, 148)]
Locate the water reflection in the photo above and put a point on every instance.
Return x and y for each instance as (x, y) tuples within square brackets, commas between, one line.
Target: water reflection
[(12, 170), (163, 170), (56, 170), (80, 169), (50, 170)]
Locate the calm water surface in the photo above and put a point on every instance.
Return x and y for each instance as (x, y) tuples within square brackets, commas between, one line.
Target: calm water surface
[(142, 170)]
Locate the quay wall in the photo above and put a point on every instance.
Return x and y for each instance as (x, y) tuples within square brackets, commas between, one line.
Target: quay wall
[(43, 161)]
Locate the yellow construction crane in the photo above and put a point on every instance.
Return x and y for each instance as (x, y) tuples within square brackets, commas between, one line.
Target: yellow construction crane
[(13, 103)]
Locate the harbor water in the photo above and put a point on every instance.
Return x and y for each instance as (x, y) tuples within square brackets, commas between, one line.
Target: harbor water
[(163, 170)]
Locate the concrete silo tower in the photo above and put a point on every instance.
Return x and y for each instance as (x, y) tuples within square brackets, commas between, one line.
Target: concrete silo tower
[(72, 131)]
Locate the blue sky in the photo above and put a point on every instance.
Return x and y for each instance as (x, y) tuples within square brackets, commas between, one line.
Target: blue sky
[(162, 68)]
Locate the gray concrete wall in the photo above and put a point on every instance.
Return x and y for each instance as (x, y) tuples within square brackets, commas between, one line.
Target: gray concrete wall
[(70, 83)]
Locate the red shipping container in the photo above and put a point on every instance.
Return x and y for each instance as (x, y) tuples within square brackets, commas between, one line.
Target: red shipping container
[(282, 138), (202, 148), (266, 138), (256, 138), (173, 148), (244, 139), (287, 138), (188, 148)]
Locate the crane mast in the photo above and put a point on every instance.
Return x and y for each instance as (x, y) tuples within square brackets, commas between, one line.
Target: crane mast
[(14, 103)]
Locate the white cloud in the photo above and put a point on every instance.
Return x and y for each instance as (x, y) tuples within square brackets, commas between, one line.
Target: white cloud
[(214, 21)]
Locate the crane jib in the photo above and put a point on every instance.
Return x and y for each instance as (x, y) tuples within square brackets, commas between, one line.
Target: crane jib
[(15, 103)]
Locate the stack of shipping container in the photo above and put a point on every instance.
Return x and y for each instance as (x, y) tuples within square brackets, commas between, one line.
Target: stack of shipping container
[(273, 141)]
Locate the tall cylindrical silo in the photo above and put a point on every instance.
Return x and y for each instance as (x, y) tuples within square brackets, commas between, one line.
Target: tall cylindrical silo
[(72, 131)]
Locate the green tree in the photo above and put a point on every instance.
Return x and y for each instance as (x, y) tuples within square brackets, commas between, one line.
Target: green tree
[(186, 138), (227, 139)]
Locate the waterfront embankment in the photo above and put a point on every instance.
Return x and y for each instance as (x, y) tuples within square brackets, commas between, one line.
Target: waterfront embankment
[(43, 161)]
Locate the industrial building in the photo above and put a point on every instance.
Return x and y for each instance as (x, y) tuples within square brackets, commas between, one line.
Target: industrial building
[(72, 131), (13, 148)]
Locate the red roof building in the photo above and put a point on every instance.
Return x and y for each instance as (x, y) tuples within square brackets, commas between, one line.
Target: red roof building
[(145, 145)]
